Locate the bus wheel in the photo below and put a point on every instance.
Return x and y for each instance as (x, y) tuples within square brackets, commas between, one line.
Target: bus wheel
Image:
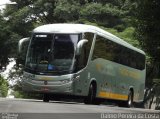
[(91, 95), (45, 97), (129, 102), (130, 99)]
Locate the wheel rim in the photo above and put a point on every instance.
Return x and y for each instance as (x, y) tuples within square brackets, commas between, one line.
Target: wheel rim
[(130, 100)]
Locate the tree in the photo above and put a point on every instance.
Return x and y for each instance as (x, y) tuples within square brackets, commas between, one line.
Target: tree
[(22, 18), (148, 32), (4, 45), (67, 11)]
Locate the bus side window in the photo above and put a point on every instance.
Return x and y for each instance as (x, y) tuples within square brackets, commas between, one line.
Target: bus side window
[(99, 48)]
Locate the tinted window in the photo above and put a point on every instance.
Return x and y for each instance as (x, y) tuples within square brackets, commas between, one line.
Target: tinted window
[(52, 53), (112, 51)]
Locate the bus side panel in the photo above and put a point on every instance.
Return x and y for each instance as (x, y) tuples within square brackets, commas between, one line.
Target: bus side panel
[(139, 87), (80, 83), (104, 73), (128, 78), (114, 80)]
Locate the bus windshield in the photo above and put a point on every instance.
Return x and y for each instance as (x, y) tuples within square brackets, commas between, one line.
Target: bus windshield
[(52, 53)]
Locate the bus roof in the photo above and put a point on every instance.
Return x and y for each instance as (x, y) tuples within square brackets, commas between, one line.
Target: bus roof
[(81, 28)]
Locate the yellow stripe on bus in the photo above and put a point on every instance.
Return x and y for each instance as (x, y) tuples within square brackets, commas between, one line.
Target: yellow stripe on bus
[(113, 96)]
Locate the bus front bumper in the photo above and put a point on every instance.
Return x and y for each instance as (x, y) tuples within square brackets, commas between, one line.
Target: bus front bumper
[(62, 87)]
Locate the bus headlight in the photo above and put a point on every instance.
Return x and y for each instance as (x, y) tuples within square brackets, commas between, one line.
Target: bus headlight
[(65, 81), (76, 78), (28, 76)]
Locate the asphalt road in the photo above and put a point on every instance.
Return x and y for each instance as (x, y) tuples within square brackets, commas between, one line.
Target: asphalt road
[(37, 109)]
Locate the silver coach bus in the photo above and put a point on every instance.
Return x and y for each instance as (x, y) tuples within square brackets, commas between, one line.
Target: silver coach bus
[(83, 60)]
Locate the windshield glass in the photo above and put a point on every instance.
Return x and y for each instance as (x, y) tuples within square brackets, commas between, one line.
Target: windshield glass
[(52, 53)]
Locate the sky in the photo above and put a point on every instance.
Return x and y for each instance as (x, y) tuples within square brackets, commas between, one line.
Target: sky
[(2, 2)]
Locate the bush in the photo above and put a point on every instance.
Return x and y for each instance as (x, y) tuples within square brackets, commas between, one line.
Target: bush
[(27, 95), (3, 87)]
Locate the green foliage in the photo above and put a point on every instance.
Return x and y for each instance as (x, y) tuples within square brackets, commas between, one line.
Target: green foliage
[(148, 27), (25, 95), (147, 32), (3, 87), (4, 32), (18, 20), (127, 34), (16, 73), (67, 11), (105, 15), (18, 94)]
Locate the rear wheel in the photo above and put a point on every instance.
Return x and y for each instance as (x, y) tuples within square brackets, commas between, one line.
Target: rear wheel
[(130, 99), (129, 102), (46, 98)]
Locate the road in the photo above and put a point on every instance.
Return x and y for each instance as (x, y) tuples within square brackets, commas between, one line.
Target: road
[(37, 109)]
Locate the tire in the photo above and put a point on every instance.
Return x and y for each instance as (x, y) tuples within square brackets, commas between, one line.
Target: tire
[(45, 97), (90, 99), (130, 99), (56, 98), (129, 102)]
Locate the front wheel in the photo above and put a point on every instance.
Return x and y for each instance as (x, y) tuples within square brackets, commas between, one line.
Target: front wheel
[(45, 97), (91, 98)]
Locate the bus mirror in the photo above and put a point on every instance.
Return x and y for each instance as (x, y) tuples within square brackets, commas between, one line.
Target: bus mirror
[(22, 50), (80, 45), (21, 43)]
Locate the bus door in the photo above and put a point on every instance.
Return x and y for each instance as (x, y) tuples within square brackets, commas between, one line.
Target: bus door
[(81, 63)]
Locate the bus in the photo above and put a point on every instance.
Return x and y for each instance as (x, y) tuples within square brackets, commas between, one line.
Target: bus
[(83, 60)]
